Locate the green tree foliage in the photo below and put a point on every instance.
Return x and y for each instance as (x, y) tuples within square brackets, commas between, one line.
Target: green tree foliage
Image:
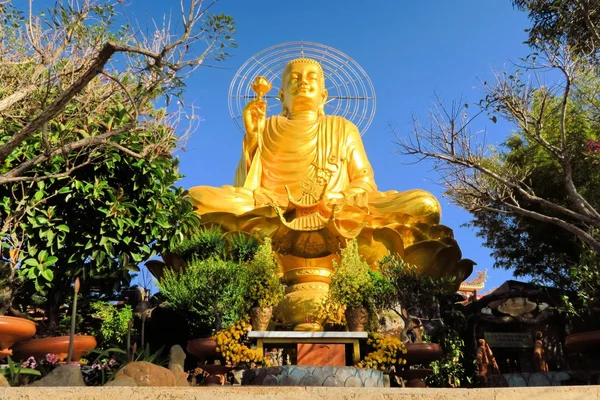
[(535, 199), (432, 302), (87, 170), (202, 244), (415, 296), (576, 22), (531, 247)]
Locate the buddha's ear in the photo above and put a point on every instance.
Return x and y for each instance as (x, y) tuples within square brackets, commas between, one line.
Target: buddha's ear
[(324, 95), (284, 111)]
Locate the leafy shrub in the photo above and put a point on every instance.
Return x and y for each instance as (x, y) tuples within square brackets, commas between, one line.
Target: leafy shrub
[(209, 292), (113, 328), (242, 247), (351, 284), (208, 242), (264, 285)]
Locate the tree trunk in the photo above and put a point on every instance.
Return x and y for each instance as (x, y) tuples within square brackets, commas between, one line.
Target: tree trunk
[(54, 300)]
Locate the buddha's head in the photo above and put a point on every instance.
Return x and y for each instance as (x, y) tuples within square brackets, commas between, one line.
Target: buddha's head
[(303, 87)]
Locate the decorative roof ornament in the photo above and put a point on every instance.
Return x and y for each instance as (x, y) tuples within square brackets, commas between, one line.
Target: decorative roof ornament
[(351, 92), (476, 283), (516, 306)]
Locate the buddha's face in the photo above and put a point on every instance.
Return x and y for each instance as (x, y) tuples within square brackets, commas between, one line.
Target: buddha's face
[(302, 88)]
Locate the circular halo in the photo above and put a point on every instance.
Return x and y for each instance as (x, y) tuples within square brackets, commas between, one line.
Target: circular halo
[(351, 92)]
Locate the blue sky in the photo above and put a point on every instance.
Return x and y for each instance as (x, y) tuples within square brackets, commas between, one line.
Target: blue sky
[(410, 50)]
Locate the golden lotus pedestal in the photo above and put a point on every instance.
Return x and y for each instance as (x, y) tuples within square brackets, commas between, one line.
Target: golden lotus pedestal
[(308, 282)]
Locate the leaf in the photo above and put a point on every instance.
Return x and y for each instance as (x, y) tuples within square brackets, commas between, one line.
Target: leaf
[(63, 228), (31, 273), (32, 262), (48, 275), (42, 256), (50, 261)]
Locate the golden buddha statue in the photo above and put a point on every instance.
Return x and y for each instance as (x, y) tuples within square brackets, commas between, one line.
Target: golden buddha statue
[(304, 179)]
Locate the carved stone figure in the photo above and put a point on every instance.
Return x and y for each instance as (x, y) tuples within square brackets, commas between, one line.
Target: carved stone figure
[(539, 360)]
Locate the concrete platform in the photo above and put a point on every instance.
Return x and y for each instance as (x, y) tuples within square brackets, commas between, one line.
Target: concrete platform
[(300, 393)]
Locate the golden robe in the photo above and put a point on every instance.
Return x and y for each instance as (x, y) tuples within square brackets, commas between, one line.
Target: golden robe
[(292, 154)]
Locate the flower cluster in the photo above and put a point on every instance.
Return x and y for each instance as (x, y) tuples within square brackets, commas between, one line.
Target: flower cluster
[(29, 363), (387, 352), (593, 146), (231, 343), (104, 364), (49, 361), (52, 359)]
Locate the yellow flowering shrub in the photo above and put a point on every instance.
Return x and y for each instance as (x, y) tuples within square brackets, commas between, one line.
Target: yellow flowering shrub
[(232, 344), (387, 351)]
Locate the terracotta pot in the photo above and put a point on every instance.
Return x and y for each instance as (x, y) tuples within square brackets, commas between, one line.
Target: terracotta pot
[(215, 374), (356, 318), (203, 349), (422, 353), (260, 317), (14, 330), (583, 342), (414, 377), (59, 345)]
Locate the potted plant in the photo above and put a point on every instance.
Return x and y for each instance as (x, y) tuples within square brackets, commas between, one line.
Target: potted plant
[(355, 286), (264, 287), (66, 348), (210, 294)]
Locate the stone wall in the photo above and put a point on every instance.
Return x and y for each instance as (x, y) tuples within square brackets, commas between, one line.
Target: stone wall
[(300, 393)]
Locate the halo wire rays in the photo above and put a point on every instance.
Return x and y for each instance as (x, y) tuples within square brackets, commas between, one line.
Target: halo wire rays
[(351, 92)]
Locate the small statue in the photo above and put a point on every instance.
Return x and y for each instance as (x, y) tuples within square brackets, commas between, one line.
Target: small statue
[(539, 361), (486, 362)]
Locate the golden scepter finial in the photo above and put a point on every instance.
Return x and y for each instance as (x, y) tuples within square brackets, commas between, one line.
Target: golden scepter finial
[(261, 86)]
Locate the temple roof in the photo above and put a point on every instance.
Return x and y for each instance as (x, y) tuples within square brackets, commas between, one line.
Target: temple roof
[(477, 283)]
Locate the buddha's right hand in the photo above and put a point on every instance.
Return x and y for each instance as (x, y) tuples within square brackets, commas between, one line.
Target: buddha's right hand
[(255, 116)]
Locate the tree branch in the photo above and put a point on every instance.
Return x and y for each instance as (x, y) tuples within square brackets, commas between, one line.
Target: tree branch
[(58, 105)]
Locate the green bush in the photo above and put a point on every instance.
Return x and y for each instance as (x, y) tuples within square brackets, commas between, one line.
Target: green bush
[(208, 242), (242, 247), (113, 329), (351, 283), (209, 292), (264, 285)]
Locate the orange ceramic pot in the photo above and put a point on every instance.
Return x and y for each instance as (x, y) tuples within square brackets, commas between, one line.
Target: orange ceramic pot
[(59, 345), (14, 330), (583, 342), (203, 349), (422, 353)]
